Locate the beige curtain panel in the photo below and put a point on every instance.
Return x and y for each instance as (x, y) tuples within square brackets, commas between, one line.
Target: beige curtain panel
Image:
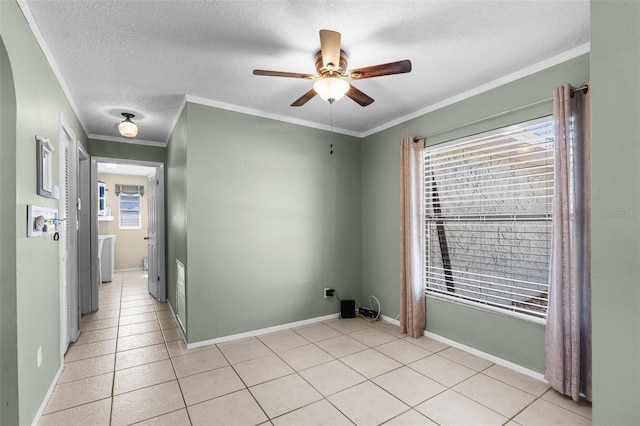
[(412, 303), (568, 332)]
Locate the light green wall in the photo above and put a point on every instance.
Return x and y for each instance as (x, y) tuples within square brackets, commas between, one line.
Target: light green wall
[(127, 151), (615, 211), (517, 341), (273, 218), (229, 153), (176, 205), (39, 103), (8, 326)]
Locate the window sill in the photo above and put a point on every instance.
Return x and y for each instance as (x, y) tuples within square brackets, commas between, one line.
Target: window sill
[(105, 218)]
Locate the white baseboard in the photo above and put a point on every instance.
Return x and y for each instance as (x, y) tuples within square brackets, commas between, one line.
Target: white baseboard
[(496, 360), (261, 331), (390, 320), (476, 352), (488, 357), (127, 269), (47, 396)]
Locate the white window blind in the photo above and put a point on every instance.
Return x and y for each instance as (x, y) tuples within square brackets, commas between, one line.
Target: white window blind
[(129, 211), (489, 213)]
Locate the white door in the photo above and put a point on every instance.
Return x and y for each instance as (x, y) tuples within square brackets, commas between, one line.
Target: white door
[(67, 227), (63, 230), (155, 235)]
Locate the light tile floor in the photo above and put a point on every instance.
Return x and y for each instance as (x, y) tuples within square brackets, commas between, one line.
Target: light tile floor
[(130, 366)]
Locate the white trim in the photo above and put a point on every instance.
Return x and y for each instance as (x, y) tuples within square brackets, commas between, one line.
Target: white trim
[(261, 331), (488, 357), (263, 114), (527, 71), (49, 57), (126, 140), (476, 352), (390, 320), (47, 396)]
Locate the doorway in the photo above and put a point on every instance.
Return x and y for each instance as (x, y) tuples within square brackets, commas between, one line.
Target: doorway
[(128, 214), (67, 229)]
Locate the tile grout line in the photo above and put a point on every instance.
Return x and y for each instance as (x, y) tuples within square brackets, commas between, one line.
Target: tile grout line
[(348, 334), (166, 347), (243, 382), (115, 355)]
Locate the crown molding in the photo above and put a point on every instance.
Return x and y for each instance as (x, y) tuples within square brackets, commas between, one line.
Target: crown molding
[(524, 72)]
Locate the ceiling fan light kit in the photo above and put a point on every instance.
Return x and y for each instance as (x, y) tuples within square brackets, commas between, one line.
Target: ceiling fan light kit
[(331, 65), (331, 89), (128, 128)]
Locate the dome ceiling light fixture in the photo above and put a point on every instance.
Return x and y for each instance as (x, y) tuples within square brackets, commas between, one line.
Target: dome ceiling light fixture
[(331, 67), (331, 89), (128, 128)]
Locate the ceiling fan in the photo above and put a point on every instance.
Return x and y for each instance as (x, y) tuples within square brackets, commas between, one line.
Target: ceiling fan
[(331, 65)]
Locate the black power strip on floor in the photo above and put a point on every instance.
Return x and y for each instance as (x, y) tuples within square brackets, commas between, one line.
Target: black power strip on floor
[(368, 313)]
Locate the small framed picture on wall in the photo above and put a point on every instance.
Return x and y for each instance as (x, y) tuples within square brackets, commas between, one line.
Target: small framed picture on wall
[(41, 221), (44, 166)]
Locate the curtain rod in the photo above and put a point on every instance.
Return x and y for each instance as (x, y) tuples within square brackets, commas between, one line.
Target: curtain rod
[(584, 88)]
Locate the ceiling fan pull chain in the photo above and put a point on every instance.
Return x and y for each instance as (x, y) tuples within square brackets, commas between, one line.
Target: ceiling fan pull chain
[(331, 116), (331, 125)]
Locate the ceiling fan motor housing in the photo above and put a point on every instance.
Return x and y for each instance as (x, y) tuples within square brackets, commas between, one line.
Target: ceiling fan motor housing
[(340, 69)]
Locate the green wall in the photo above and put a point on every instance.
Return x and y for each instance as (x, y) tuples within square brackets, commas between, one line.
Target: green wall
[(272, 219), (615, 211), (312, 220), (40, 102), (8, 300), (517, 341), (127, 151), (176, 205)]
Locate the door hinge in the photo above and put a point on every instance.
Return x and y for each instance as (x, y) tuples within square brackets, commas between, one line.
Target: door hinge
[(157, 182), (158, 277)]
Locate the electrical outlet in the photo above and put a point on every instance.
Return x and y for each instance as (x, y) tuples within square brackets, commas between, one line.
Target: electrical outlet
[(39, 356), (328, 292)]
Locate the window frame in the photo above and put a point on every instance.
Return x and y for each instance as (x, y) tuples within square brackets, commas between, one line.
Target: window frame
[(138, 210), (432, 203)]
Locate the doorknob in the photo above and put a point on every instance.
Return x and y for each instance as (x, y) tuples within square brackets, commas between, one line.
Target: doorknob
[(145, 238)]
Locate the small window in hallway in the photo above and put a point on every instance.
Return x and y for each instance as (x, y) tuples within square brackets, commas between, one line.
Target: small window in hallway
[(129, 211)]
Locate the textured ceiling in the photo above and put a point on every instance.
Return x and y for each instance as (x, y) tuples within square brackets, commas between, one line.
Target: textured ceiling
[(145, 56)]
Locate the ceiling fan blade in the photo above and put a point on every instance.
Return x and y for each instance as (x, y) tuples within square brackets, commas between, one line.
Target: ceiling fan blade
[(358, 96), (391, 68), (330, 48), (283, 74), (304, 98)]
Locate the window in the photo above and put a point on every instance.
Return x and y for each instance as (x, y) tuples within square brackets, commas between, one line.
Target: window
[(488, 219), (129, 211)]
